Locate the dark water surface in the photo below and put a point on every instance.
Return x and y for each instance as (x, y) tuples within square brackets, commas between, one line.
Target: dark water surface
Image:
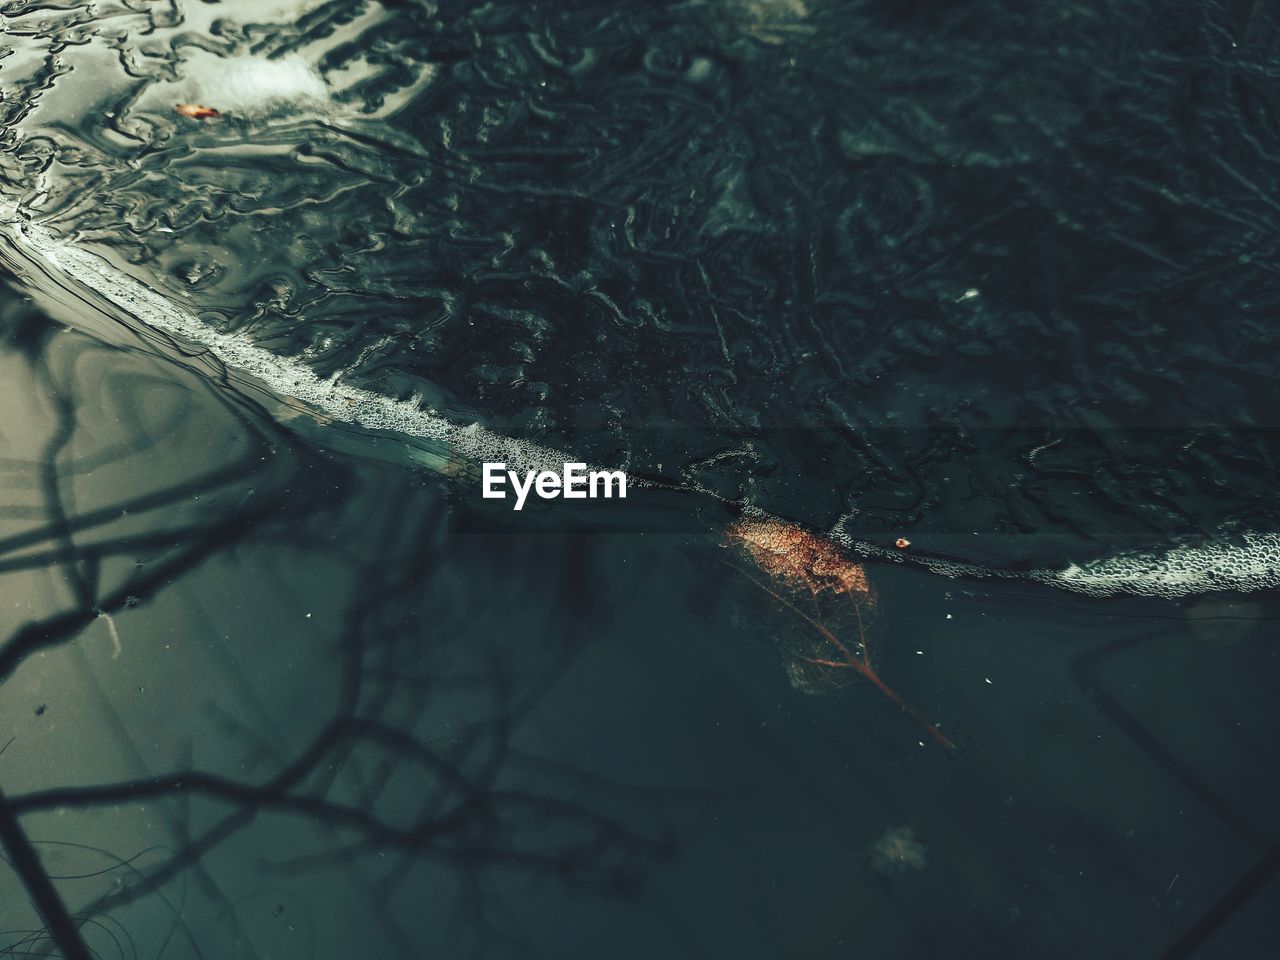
[(995, 277)]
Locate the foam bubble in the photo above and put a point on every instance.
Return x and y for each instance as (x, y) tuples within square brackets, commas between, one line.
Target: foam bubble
[(1253, 564)]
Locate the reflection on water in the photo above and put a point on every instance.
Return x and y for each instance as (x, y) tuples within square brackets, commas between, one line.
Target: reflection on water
[(991, 278), (242, 673), (275, 636), (332, 727)]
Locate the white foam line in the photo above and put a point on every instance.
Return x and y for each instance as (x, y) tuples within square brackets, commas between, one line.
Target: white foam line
[(1182, 571), (290, 378), (1254, 564)]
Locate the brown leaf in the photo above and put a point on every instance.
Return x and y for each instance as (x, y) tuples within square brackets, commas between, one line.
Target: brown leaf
[(195, 111), (819, 606)]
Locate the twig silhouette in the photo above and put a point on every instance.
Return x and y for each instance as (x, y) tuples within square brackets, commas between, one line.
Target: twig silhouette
[(473, 815)]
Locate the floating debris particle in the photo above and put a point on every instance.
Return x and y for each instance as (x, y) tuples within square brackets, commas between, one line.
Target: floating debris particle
[(897, 851), (116, 647), (195, 111)]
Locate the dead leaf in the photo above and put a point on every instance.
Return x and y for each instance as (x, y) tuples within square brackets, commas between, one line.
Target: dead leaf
[(819, 606), (196, 112)]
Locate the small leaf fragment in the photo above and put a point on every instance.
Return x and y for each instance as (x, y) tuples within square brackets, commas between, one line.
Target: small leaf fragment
[(195, 111)]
